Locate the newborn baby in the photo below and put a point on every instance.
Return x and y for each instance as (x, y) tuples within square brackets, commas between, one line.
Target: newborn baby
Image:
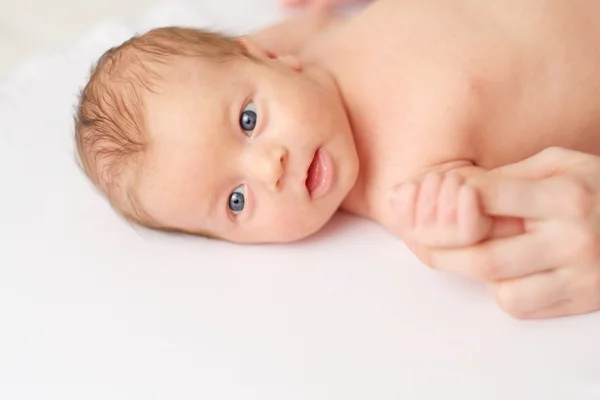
[(263, 138)]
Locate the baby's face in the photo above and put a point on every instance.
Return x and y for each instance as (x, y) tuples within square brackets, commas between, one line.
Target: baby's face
[(248, 152)]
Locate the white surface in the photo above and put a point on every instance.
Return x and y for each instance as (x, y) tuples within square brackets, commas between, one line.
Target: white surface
[(91, 308), (30, 26)]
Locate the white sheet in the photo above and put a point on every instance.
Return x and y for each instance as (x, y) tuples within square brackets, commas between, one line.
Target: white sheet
[(91, 308)]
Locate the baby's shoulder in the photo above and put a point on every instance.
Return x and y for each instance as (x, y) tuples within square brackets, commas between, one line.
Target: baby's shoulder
[(294, 35)]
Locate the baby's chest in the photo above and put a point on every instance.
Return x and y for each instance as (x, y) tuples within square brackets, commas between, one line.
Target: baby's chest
[(406, 121), (395, 147)]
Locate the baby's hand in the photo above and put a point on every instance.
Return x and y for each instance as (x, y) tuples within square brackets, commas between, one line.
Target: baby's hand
[(439, 210)]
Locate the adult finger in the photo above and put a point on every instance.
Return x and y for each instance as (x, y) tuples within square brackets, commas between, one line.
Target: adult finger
[(528, 294), (564, 308), (560, 308), (543, 199), (505, 258), (546, 163), (501, 228)]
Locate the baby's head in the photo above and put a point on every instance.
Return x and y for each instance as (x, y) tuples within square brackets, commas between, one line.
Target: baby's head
[(192, 131)]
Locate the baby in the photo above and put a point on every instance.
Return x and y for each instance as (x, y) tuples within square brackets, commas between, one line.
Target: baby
[(263, 138)]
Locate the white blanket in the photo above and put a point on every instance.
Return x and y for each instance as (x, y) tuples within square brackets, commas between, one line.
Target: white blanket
[(93, 308)]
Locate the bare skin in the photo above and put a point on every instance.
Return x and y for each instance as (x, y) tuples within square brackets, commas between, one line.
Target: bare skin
[(462, 86), (418, 104), (548, 264), (536, 246), (426, 87)]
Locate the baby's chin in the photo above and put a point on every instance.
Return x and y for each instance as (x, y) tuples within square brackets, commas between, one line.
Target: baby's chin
[(308, 226)]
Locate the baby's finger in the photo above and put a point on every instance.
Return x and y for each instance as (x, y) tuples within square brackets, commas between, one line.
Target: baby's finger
[(448, 199), (404, 202), (474, 225), (428, 200), (523, 296)]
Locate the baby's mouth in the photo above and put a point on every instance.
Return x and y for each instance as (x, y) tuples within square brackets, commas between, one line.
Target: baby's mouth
[(320, 173)]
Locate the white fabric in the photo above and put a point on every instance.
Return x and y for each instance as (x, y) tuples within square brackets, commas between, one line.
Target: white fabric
[(93, 308)]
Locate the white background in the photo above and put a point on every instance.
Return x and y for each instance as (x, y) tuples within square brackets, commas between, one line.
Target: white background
[(91, 308), (30, 26)]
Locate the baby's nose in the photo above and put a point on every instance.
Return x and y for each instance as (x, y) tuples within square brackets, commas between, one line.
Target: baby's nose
[(267, 165)]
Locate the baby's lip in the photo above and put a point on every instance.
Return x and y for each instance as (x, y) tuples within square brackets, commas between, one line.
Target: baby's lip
[(319, 175)]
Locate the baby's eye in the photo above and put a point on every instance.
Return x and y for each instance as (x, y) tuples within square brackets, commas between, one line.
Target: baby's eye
[(248, 118), (237, 200)]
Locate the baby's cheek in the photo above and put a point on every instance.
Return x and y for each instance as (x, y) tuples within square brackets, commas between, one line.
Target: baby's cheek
[(296, 222)]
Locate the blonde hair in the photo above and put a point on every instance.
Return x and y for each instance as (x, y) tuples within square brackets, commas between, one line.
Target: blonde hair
[(110, 134)]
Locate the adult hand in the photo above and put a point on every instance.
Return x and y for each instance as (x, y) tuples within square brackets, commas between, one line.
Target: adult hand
[(551, 266)]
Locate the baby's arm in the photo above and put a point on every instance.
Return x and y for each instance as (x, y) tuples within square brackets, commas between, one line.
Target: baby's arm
[(439, 209), (290, 36)]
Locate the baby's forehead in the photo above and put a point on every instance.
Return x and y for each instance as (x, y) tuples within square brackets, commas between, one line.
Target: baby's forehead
[(186, 107), (192, 88), (199, 70)]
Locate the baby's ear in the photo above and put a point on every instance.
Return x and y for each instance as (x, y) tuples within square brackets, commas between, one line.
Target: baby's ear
[(254, 50), (291, 61)]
